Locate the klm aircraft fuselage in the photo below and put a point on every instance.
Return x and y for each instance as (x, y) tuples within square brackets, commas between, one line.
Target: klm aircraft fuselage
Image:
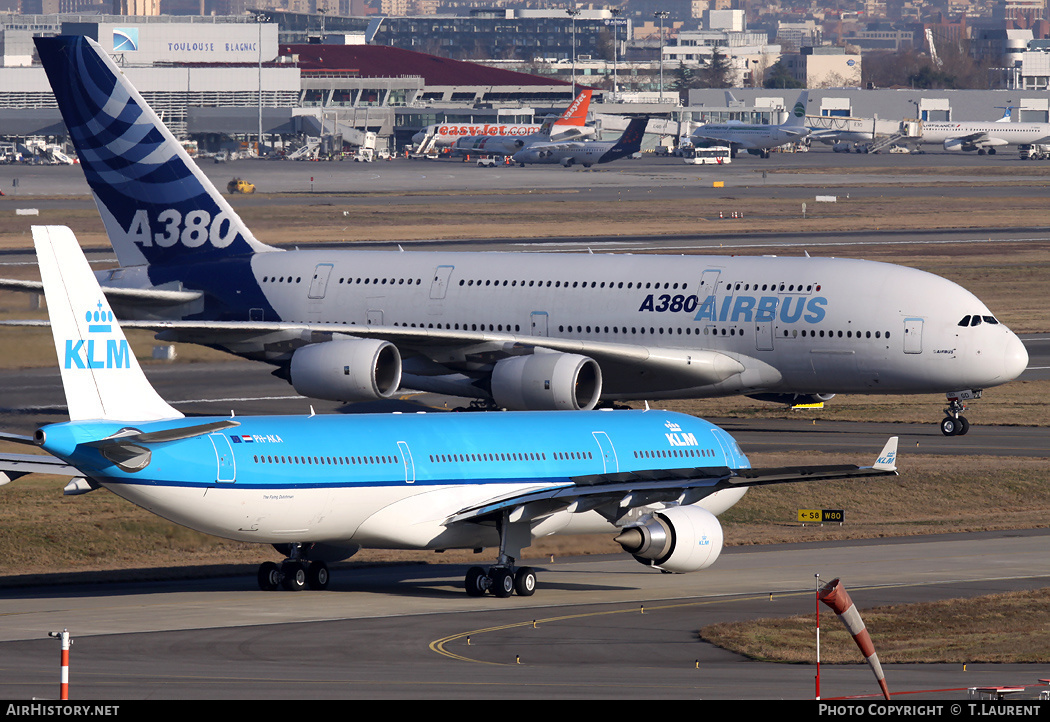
[(387, 480)]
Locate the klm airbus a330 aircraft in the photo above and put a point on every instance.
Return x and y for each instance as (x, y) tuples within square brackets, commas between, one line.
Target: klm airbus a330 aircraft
[(319, 488), (525, 331)]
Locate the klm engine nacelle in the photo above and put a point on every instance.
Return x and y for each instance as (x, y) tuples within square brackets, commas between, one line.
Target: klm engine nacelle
[(679, 539), (347, 370), (547, 382)]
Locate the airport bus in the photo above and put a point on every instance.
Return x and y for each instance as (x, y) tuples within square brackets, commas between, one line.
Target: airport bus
[(717, 154)]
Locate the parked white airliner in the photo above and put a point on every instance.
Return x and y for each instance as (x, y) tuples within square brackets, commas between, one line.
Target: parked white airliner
[(983, 137), (517, 330), (756, 138)]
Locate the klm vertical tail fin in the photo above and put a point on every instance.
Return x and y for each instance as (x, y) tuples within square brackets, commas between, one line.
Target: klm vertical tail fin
[(157, 205), (101, 376), (797, 116)]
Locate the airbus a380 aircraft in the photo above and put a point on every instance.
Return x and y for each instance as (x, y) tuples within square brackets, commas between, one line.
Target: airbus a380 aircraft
[(522, 330), (321, 487)]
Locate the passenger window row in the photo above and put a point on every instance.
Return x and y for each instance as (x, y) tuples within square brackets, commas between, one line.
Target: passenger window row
[(671, 453), (811, 333), (575, 284), (789, 287), (381, 281), (326, 460)]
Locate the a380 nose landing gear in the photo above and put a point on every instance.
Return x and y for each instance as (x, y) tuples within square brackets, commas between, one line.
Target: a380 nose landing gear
[(954, 423)]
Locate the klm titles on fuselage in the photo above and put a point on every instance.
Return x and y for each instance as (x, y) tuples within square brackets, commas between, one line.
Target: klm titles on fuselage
[(740, 308)]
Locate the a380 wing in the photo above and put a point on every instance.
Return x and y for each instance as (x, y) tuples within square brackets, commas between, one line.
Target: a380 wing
[(675, 368)]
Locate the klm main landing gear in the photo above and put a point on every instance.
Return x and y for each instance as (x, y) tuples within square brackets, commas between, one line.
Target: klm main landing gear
[(954, 423), (503, 579), (294, 573)]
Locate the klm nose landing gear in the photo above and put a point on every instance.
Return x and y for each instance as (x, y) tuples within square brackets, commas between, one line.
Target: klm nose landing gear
[(954, 423)]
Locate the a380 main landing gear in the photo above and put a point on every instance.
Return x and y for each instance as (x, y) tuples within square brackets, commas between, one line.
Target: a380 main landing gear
[(294, 573), (954, 423), (503, 579)]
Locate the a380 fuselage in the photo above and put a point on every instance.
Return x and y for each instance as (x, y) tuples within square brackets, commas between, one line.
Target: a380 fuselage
[(802, 325)]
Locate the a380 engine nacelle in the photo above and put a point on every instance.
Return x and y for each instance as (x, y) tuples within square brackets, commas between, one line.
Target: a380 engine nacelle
[(347, 370), (547, 382), (679, 539)]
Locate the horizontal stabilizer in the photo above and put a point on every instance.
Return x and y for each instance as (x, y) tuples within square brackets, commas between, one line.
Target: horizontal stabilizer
[(12, 466), (177, 434), (140, 296)]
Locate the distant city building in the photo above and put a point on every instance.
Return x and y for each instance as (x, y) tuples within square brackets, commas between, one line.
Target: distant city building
[(825, 66)]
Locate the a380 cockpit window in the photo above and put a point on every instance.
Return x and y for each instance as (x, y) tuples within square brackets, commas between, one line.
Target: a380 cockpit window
[(976, 320)]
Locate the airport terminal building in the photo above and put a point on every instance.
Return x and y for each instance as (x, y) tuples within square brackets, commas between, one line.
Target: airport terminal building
[(216, 78), (230, 76)]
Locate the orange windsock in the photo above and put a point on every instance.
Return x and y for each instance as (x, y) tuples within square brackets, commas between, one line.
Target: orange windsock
[(835, 596)]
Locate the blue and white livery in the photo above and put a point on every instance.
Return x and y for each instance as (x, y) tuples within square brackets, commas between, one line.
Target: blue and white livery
[(319, 488), (524, 331)]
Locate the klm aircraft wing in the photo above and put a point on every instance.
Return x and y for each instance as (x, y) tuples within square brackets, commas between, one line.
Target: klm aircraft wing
[(614, 495)]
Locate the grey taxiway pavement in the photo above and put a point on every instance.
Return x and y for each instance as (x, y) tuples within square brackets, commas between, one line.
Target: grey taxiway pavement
[(601, 627)]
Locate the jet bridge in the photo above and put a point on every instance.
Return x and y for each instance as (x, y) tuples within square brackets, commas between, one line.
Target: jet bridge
[(876, 132)]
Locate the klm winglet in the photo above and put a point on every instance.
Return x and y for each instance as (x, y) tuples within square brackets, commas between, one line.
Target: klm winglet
[(100, 374), (887, 460)]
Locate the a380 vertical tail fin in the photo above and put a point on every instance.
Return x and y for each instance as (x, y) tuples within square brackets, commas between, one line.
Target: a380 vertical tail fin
[(157, 205), (100, 374)]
